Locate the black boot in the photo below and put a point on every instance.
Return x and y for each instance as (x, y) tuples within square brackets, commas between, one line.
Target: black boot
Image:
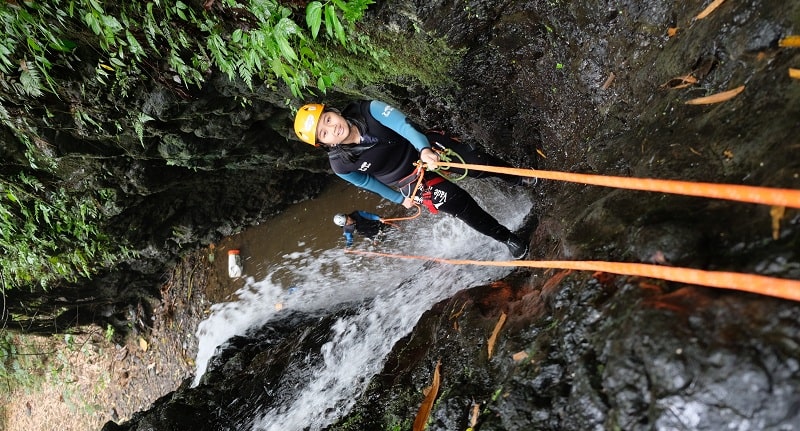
[(517, 247)]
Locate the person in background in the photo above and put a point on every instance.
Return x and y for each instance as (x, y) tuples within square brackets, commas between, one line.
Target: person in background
[(374, 146), (365, 223)]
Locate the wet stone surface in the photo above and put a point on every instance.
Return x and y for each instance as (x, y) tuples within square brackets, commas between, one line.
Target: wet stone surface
[(600, 351)]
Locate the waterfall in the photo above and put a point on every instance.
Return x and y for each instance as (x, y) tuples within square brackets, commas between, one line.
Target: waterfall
[(394, 293)]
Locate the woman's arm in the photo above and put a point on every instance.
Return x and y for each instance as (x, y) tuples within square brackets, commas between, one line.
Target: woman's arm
[(348, 238), (368, 182), (397, 121), (369, 216)]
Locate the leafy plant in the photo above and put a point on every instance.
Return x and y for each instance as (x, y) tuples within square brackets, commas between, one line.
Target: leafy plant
[(47, 235), (51, 231)]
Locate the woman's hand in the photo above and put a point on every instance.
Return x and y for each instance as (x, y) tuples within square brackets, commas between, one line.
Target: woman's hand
[(430, 158), (408, 202)]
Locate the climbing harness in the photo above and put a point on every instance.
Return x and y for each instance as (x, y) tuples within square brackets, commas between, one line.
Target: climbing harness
[(422, 190)]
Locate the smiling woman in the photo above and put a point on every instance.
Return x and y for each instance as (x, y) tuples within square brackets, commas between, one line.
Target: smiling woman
[(375, 146)]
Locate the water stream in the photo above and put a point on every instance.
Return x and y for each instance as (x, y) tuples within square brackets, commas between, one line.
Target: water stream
[(296, 262)]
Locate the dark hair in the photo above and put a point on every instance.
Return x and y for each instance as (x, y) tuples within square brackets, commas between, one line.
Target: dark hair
[(349, 152)]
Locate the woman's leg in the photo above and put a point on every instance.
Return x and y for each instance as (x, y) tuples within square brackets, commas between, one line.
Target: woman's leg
[(449, 198)]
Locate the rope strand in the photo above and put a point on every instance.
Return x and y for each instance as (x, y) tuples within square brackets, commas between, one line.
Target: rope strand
[(741, 193), (760, 284)]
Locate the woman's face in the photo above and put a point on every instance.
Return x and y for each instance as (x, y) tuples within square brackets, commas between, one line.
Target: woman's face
[(332, 128)]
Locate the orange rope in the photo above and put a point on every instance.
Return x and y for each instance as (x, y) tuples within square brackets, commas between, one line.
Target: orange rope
[(389, 220), (752, 194), (419, 171), (760, 284)]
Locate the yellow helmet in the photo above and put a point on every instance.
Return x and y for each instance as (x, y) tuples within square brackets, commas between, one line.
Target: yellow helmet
[(305, 122)]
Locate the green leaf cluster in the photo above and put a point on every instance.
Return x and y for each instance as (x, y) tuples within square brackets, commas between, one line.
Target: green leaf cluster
[(49, 232), (49, 235), (267, 41)]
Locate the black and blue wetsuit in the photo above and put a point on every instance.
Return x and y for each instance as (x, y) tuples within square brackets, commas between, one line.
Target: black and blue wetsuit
[(390, 146), (365, 223)]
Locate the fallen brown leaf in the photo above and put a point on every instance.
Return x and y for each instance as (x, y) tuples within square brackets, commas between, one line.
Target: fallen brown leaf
[(459, 312), (790, 42), (421, 421), (658, 257), (672, 31), (794, 73), (777, 214), (143, 344), (495, 333), (609, 81), (476, 411), (716, 98), (707, 11), (519, 356), (680, 82)]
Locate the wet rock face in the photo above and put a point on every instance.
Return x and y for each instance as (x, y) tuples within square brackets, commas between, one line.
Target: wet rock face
[(601, 351)]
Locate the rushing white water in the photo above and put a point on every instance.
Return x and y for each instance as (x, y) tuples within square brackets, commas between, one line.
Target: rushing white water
[(394, 294)]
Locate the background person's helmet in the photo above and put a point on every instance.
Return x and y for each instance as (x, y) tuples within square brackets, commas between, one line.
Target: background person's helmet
[(340, 219), (305, 122)]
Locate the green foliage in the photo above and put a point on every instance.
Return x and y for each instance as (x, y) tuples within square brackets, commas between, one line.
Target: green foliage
[(109, 333), (266, 42), (49, 235), (48, 231), (15, 367), (29, 362)]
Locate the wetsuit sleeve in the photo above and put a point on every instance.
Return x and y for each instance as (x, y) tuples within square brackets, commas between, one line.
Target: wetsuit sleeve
[(348, 238), (397, 121), (368, 182), (369, 215)]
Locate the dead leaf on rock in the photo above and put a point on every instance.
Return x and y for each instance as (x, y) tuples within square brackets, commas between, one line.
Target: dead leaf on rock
[(680, 82), (499, 285), (716, 98), (476, 411), (143, 344), (651, 287), (605, 278), (495, 333), (658, 257), (790, 42), (707, 11), (519, 356), (777, 214), (672, 31), (424, 412), (556, 279), (609, 81)]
